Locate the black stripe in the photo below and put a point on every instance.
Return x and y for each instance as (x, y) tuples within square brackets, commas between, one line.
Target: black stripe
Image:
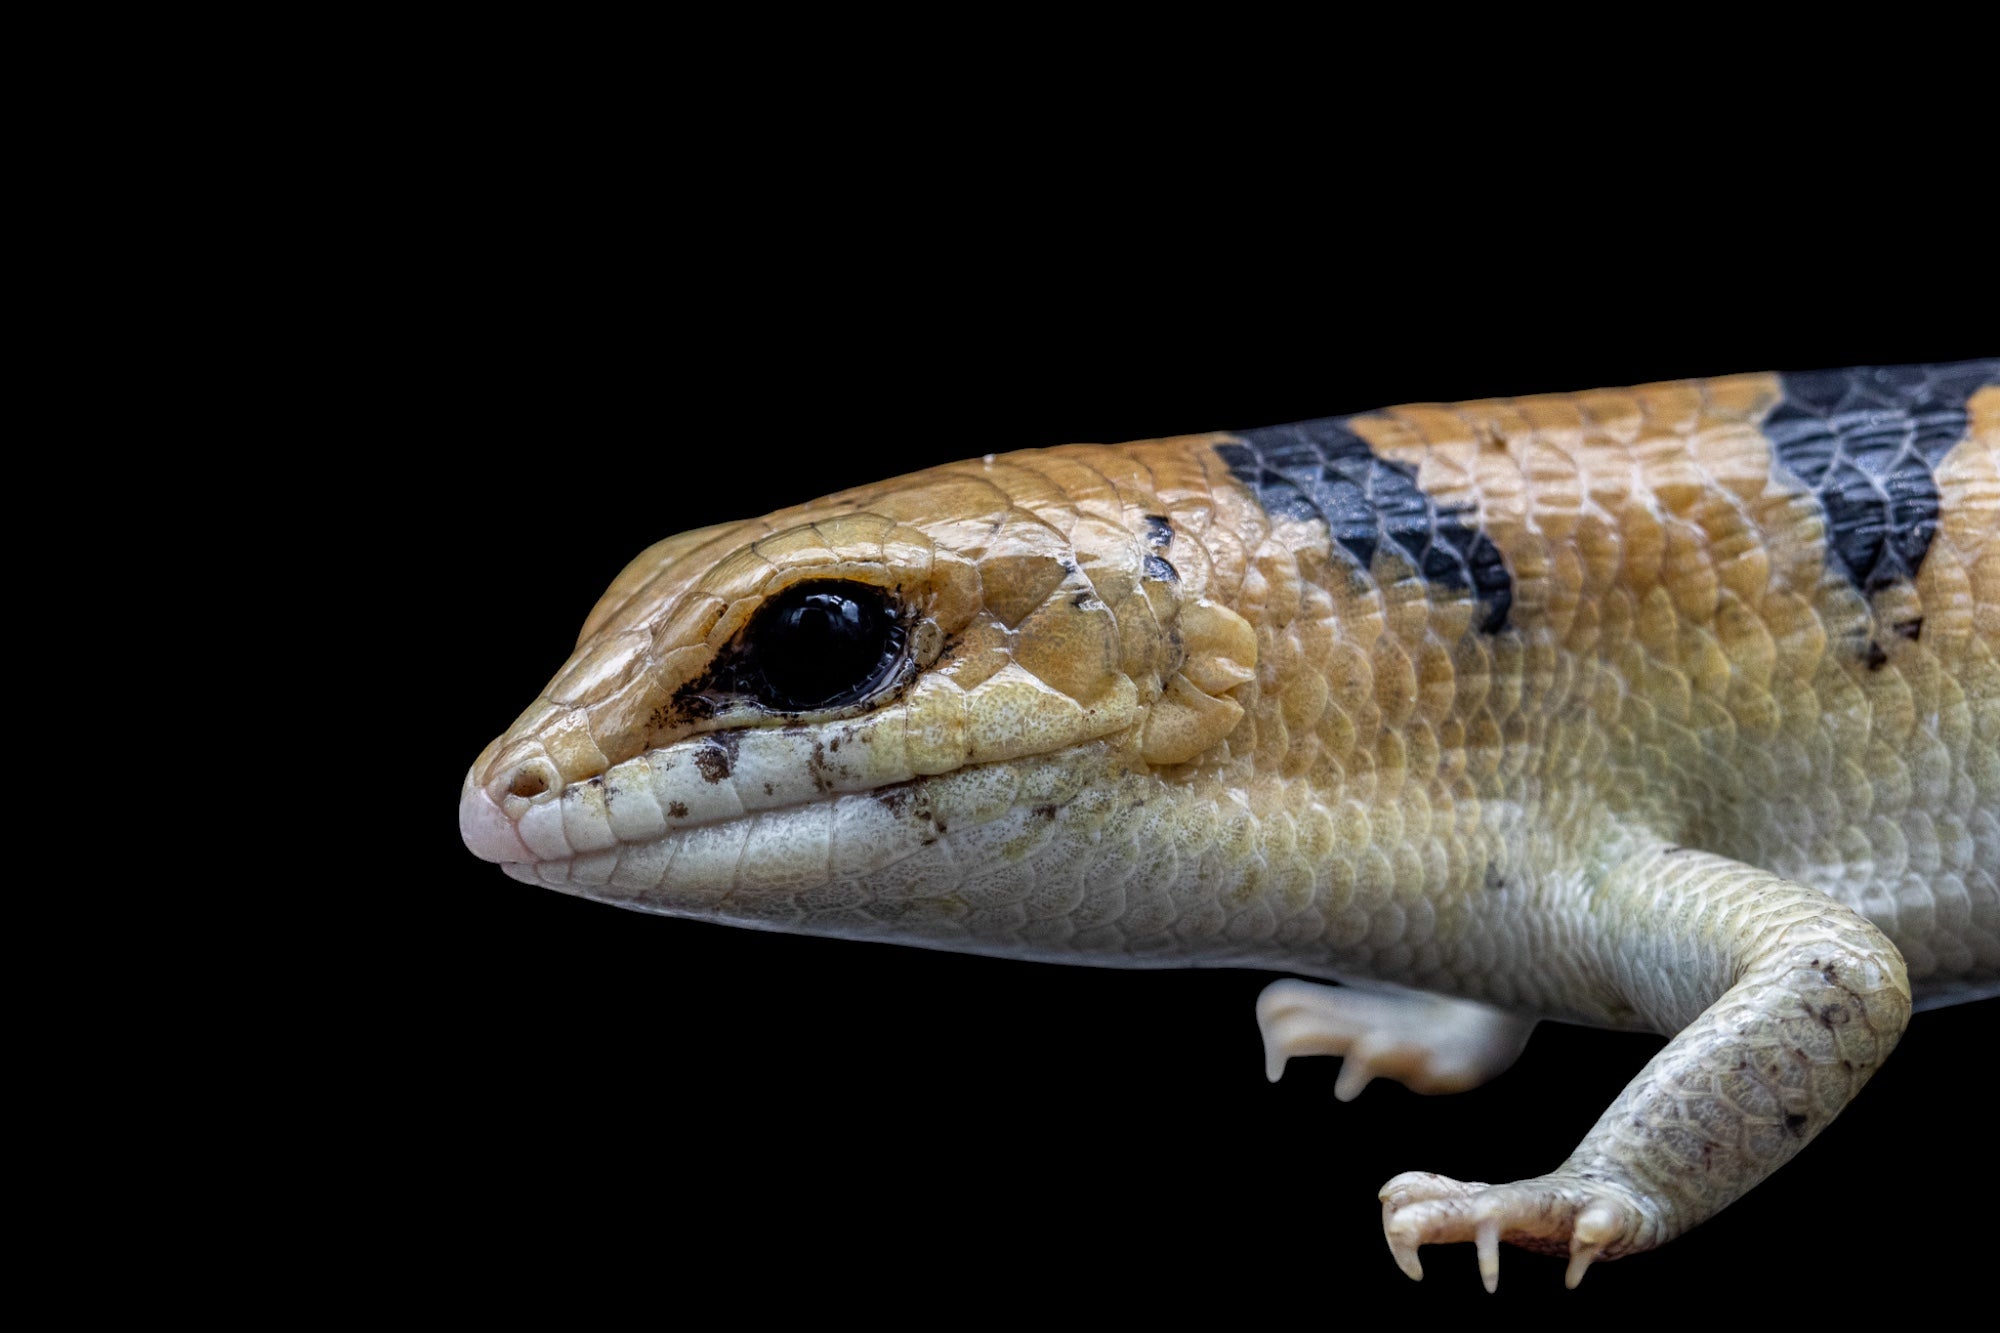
[(1867, 442), (1323, 470)]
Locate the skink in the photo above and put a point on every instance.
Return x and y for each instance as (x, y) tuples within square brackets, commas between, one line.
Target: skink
[(1671, 708)]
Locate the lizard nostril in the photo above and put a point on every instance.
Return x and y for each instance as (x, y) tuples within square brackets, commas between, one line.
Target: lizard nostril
[(532, 779)]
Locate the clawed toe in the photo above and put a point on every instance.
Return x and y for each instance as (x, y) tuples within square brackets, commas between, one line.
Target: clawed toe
[(1549, 1215), (1427, 1043)]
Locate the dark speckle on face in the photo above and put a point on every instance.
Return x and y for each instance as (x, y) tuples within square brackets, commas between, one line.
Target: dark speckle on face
[(714, 763)]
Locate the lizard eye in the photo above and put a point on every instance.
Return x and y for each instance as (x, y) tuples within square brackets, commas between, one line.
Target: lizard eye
[(820, 645)]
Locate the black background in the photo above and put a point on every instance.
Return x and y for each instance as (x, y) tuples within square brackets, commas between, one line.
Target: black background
[(588, 351)]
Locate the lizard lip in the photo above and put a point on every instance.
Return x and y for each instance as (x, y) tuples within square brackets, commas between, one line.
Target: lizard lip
[(488, 832)]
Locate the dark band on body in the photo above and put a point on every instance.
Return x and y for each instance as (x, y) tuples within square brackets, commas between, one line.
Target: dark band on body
[(1867, 442), (1323, 470)]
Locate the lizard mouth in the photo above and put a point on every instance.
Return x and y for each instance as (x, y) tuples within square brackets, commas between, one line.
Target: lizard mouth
[(525, 813), (758, 833), (774, 863), (1068, 856), (698, 818)]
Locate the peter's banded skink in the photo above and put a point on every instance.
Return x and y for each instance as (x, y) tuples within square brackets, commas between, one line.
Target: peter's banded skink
[(1673, 708)]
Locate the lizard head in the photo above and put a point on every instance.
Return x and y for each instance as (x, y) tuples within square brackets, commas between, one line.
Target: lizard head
[(929, 710)]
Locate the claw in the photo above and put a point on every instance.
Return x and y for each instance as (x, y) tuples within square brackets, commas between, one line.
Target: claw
[(1357, 1071), (1274, 1062), (1404, 1252), (1488, 1240), (1593, 1231)]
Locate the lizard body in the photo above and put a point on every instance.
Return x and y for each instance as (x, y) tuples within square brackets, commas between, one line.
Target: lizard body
[(1674, 708)]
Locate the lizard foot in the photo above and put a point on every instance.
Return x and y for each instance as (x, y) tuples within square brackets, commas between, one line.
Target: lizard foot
[(1427, 1043), (1550, 1214)]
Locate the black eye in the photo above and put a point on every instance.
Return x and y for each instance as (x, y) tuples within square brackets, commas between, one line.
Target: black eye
[(819, 645)]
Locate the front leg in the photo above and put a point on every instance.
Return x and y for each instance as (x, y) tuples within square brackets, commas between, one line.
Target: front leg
[(1785, 1002)]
